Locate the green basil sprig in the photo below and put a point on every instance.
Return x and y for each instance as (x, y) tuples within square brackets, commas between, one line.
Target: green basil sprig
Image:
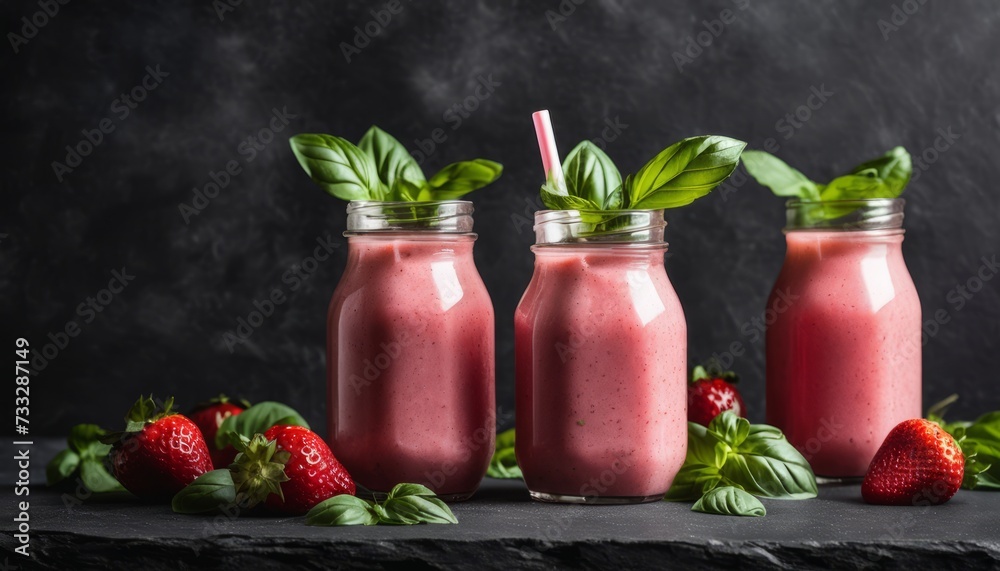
[(503, 464), (380, 168), (676, 176), (755, 458), (86, 456), (980, 443), (883, 177), (407, 504), (256, 419), (729, 500)]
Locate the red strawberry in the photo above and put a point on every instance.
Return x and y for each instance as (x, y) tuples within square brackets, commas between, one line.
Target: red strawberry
[(290, 469), (918, 464), (710, 393), (160, 451), (209, 416)]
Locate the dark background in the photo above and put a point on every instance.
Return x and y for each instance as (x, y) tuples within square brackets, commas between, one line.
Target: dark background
[(605, 61)]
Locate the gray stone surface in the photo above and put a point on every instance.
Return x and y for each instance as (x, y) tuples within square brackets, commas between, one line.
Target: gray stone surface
[(501, 528)]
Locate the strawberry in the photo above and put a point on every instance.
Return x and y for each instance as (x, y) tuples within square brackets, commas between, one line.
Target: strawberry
[(209, 416), (159, 452), (918, 464), (289, 469), (711, 392)]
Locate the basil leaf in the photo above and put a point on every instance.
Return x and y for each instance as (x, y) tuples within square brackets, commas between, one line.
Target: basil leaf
[(342, 169), (392, 161), (257, 418), (731, 428), (894, 168), (401, 490), (97, 478), (210, 492), (408, 510), (404, 191), (590, 174), (458, 179), (765, 464), (856, 187), (503, 464), (83, 437), (61, 467), (727, 500), (684, 171), (553, 200), (772, 172), (692, 481), (986, 427), (705, 448), (344, 509)]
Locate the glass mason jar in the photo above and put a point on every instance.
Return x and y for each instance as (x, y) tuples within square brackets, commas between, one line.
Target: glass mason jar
[(601, 360), (410, 350), (843, 334)]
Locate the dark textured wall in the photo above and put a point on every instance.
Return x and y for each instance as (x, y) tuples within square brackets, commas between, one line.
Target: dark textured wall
[(603, 63)]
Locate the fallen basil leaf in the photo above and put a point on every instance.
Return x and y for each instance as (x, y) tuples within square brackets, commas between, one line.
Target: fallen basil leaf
[(727, 500), (96, 477), (400, 490), (765, 464), (61, 467), (210, 492), (344, 509), (410, 510)]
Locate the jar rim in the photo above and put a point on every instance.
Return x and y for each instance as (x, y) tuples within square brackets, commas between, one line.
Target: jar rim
[(860, 214), (404, 217), (599, 227)]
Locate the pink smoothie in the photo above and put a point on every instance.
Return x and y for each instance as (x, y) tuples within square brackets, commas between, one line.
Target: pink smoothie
[(601, 357), (843, 357), (411, 365)]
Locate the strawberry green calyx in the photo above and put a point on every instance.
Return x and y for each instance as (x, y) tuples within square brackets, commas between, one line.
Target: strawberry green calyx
[(701, 373), (146, 411), (259, 470)]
